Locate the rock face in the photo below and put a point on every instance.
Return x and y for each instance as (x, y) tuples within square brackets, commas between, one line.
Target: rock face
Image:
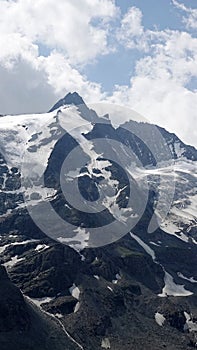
[(138, 292), (24, 327), (47, 273), (14, 315)]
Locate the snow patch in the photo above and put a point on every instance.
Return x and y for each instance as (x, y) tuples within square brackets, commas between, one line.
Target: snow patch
[(120, 214), (41, 247), (3, 248), (153, 243), (14, 260), (169, 226), (190, 279), (97, 277), (39, 301), (105, 344), (77, 306), (190, 325), (77, 242), (173, 289), (74, 291), (160, 319), (145, 246), (118, 278)]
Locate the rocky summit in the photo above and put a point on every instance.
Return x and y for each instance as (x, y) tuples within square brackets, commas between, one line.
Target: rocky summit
[(115, 272)]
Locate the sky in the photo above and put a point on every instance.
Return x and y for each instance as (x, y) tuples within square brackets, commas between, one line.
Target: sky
[(136, 53)]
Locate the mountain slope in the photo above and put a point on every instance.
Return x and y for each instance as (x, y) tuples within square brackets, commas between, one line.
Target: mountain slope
[(22, 326), (138, 291)]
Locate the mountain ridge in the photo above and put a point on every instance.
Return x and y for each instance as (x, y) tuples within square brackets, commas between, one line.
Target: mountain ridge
[(70, 98), (139, 290)]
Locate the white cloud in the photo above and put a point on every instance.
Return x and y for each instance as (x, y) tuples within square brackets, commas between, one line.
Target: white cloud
[(24, 89), (159, 89), (74, 33), (162, 102), (191, 19), (63, 77), (175, 58), (13, 47), (33, 84), (131, 33), (71, 33), (64, 25)]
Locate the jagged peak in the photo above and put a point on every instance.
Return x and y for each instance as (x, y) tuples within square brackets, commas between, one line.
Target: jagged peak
[(71, 98)]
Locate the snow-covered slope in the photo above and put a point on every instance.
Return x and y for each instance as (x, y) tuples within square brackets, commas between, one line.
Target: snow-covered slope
[(129, 176), (28, 142)]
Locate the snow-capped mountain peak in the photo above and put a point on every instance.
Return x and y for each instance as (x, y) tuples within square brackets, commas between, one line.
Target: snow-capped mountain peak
[(125, 176), (71, 98)]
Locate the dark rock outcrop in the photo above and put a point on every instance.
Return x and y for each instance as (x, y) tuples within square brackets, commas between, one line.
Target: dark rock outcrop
[(14, 313)]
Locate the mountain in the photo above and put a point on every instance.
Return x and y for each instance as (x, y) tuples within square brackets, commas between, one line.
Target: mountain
[(116, 270), (71, 98)]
